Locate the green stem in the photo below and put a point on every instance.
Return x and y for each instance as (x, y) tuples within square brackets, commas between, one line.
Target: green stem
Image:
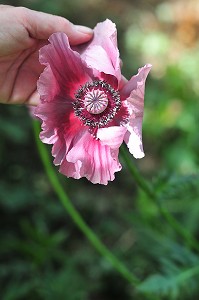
[(144, 185), (74, 214)]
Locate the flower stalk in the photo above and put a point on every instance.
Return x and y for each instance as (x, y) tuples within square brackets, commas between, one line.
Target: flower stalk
[(75, 215)]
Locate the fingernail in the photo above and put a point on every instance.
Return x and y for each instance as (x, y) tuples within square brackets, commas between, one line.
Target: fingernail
[(84, 29)]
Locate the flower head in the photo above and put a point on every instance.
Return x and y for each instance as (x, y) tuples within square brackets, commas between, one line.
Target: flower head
[(87, 108)]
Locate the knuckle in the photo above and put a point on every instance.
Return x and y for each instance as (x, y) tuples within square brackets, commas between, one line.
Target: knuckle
[(66, 24)]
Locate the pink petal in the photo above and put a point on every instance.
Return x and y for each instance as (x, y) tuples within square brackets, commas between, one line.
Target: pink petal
[(105, 34), (92, 160), (70, 169), (48, 134), (56, 112), (47, 85), (64, 64), (98, 59), (105, 44), (134, 90), (55, 116), (139, 79), (112, 136), (71, 131), (133, 138), (59, 150)]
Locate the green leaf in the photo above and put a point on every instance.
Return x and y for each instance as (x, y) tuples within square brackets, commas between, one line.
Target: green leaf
[(171, 282), (182, 188)]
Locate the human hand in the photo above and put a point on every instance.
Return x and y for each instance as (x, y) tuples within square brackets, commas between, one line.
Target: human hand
[(22, 33)]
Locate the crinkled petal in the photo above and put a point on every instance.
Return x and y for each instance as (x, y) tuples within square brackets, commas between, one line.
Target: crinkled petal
[(112, 136), (64, 64), (70, 169), (59, 150), (47, 85), (133, 138), (93, 160), (134, 90), (98, 59), (56, 117), (54, 113), (104, 43), (72, 130), (132, 84)]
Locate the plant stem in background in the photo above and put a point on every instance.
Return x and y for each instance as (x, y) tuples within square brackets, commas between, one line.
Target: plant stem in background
[(142, 183), (148, 189), (74, 214)]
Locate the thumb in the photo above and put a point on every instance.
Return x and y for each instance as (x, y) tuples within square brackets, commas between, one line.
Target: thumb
[(41, 25)]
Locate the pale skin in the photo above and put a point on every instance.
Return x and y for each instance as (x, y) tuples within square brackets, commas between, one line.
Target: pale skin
[(22, 33)]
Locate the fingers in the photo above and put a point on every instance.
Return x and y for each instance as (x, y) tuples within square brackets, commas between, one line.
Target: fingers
[(41, 25)]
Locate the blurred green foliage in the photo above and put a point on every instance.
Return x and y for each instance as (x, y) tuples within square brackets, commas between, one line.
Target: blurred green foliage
[(42, 254)]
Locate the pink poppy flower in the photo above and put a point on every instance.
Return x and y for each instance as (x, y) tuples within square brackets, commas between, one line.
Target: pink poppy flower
[(87, 109)]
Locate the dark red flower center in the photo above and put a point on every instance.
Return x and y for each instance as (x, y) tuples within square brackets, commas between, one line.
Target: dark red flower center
[(96, 103)]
